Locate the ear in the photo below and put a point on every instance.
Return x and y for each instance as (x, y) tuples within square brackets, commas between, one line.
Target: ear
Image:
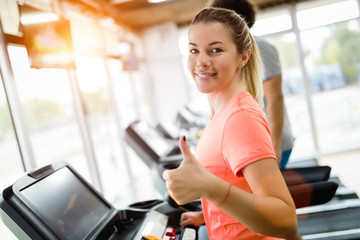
[(244, 58)]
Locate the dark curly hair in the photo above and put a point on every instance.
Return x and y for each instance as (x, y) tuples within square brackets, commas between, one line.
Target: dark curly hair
[(244, 8)]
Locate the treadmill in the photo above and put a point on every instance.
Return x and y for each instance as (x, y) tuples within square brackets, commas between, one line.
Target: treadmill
[(308, 185), (320, 215), (335, 220), (332, 221), (56, 203)]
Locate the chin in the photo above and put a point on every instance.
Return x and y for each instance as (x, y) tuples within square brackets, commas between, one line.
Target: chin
[(203, 90)]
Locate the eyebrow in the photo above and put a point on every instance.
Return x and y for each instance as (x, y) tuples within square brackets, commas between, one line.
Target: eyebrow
[(212, 43)]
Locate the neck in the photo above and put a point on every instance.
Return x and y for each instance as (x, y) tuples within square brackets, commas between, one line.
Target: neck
[(218, 100)]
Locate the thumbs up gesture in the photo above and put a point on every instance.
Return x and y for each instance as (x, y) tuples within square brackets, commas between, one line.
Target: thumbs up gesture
[(187, 182)]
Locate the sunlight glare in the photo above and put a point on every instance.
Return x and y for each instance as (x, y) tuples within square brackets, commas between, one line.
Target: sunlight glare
[(328, 14)]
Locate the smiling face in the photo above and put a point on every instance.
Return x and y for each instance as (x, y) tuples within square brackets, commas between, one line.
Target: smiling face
[(213, 60)]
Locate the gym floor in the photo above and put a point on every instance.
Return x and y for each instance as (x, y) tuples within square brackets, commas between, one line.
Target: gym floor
[(346, 166)]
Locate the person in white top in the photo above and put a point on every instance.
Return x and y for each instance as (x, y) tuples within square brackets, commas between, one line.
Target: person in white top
[(281, 133)]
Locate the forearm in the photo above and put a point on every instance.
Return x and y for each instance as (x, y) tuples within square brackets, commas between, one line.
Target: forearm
[(266, 215), (275, 111)]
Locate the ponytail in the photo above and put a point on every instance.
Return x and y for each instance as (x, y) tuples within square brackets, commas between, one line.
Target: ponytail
[(251, 74)]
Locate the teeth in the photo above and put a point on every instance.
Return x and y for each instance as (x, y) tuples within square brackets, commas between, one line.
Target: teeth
[(205, 75)]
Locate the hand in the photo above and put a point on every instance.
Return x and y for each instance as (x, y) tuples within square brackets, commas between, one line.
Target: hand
[(191, 218), (186, 183)]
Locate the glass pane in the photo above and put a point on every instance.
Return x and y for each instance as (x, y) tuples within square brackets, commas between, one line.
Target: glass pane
[(294, 92), (10, 159), (312, 15), (272, 22), (125, 93), (46, 98), (129, 94), (131, 102), (105, 132), (333, 66)]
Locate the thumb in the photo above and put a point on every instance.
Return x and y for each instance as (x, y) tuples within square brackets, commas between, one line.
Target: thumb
[(165, 175), (184, 147)]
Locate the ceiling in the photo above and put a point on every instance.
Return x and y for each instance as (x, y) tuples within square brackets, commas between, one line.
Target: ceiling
[(140, 14)]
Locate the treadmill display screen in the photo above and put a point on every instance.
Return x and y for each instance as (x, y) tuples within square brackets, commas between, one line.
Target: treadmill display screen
[(152, 138), (66, 204)]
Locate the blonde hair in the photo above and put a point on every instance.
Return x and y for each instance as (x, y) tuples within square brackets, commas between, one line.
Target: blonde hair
[(240, 33)]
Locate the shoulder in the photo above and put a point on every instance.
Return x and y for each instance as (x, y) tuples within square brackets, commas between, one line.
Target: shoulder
[(242, 108), (266, 48), (245, 102), (245, 112), (270, 58)]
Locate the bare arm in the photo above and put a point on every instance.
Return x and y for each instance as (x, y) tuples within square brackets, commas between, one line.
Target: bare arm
[(275, 111), (269, 210)]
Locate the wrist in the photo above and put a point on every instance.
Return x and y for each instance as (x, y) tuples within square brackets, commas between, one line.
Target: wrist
[(226, 196), (217, 190), (211, 183)]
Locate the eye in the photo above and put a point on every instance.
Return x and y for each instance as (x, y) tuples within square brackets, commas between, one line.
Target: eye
[(216, 50), (193, 51)]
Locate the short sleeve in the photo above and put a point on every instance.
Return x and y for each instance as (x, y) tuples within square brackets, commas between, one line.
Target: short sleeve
[(246, 139), (270, 58)]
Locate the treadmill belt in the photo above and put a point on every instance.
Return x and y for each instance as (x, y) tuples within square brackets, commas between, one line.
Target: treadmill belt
[(329, 221)]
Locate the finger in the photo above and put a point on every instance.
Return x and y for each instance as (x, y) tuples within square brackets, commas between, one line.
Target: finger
[(184, 217), (165, 175), (185, 223), (184, 147)]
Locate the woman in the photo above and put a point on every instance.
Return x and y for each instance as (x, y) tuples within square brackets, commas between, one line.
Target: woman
[(235, 173)]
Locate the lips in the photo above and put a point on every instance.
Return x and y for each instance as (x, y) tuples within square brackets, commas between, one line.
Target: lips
[(205, 75)]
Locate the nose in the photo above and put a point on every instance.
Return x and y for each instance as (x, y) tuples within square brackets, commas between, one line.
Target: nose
[(203, 60)]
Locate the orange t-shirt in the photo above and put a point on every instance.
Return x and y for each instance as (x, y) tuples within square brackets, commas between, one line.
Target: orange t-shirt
[(237, 136)]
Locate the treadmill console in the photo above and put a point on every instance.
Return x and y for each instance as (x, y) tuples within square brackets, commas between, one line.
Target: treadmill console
[(55, 202), (151, 146), (155, 225)]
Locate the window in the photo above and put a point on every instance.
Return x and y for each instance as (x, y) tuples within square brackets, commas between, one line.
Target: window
[(105, 133), (332, 63), (10, 159), (110, 91), (294, 91), (329, 34), (310, 15), (272, 22), (46, 98)]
